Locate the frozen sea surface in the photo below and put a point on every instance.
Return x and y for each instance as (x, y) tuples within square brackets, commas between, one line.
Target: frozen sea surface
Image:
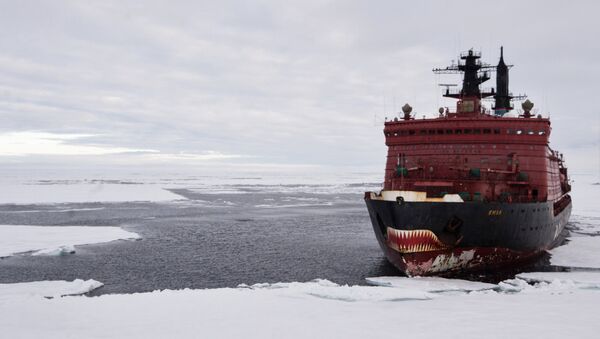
[(233, 240), (52, 192), (215, 232), (317, 309), (219, 231)]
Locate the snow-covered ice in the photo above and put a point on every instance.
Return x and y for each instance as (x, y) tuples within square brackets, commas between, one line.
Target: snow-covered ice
[(579, 251), (292, 310), (82, 192), (47, 289), (431, 284), (580, 279), (326, 289), (535, 304), (555, 282), (585, 195), (55, 240), (60, 250)]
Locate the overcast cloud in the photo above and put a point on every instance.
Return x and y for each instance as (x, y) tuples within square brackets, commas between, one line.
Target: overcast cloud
[(274, 82)]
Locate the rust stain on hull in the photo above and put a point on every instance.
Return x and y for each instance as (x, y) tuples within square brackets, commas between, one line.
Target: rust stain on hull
[(451, 261)]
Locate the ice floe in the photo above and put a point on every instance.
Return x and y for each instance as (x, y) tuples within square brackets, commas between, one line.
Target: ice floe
[(582, 252), (431, 284), (54, 209), (585, 195), (55, 240), (560, 282), (293, 205), (60, 250), (326, 289), (48, 288), (63, 193), (579, 279), (319, 309)]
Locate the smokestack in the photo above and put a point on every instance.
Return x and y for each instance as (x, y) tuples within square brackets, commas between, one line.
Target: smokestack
[(502, 96)]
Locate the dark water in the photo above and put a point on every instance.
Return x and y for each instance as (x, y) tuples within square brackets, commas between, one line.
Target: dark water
[(216, 240), (212, 241)]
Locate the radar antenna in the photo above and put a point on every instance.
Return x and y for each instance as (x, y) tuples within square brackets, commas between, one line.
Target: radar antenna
[(447, 87), (475, 73)]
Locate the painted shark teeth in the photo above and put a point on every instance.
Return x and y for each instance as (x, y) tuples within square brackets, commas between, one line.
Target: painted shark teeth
[(411, 241)]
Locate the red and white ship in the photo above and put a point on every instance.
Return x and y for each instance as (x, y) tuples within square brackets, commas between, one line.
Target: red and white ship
[(473, 188)]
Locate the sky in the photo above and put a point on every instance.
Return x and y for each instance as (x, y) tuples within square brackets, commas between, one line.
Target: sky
[(272, 83)]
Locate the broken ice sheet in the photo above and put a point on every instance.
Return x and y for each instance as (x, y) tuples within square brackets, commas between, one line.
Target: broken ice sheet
[(47, 288), (582, 252), (55, 240), (326, 289), (431, 284)]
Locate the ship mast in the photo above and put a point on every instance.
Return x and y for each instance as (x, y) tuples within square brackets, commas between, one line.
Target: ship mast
[(475, 73)]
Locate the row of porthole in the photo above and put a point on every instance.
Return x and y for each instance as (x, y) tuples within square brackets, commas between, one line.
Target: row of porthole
[(532, 228), (464, 146), (541, 209), (463, 131)]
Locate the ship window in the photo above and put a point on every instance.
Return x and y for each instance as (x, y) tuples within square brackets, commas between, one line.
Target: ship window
[(387, 134), (395, 134), (411, 132), (440, 131), (509, 131), (448, 131), (431, 131), (487, 131), (458, 131), (541, 132), (519, 131), (467, 131), (530, 132), (496, 131), (423, 132), (477, 131)]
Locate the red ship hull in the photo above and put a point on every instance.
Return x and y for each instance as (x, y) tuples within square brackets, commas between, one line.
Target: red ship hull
[(441, 238), (457, 260)]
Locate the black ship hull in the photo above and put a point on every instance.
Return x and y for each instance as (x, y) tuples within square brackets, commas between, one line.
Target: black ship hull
[(425, 238)]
